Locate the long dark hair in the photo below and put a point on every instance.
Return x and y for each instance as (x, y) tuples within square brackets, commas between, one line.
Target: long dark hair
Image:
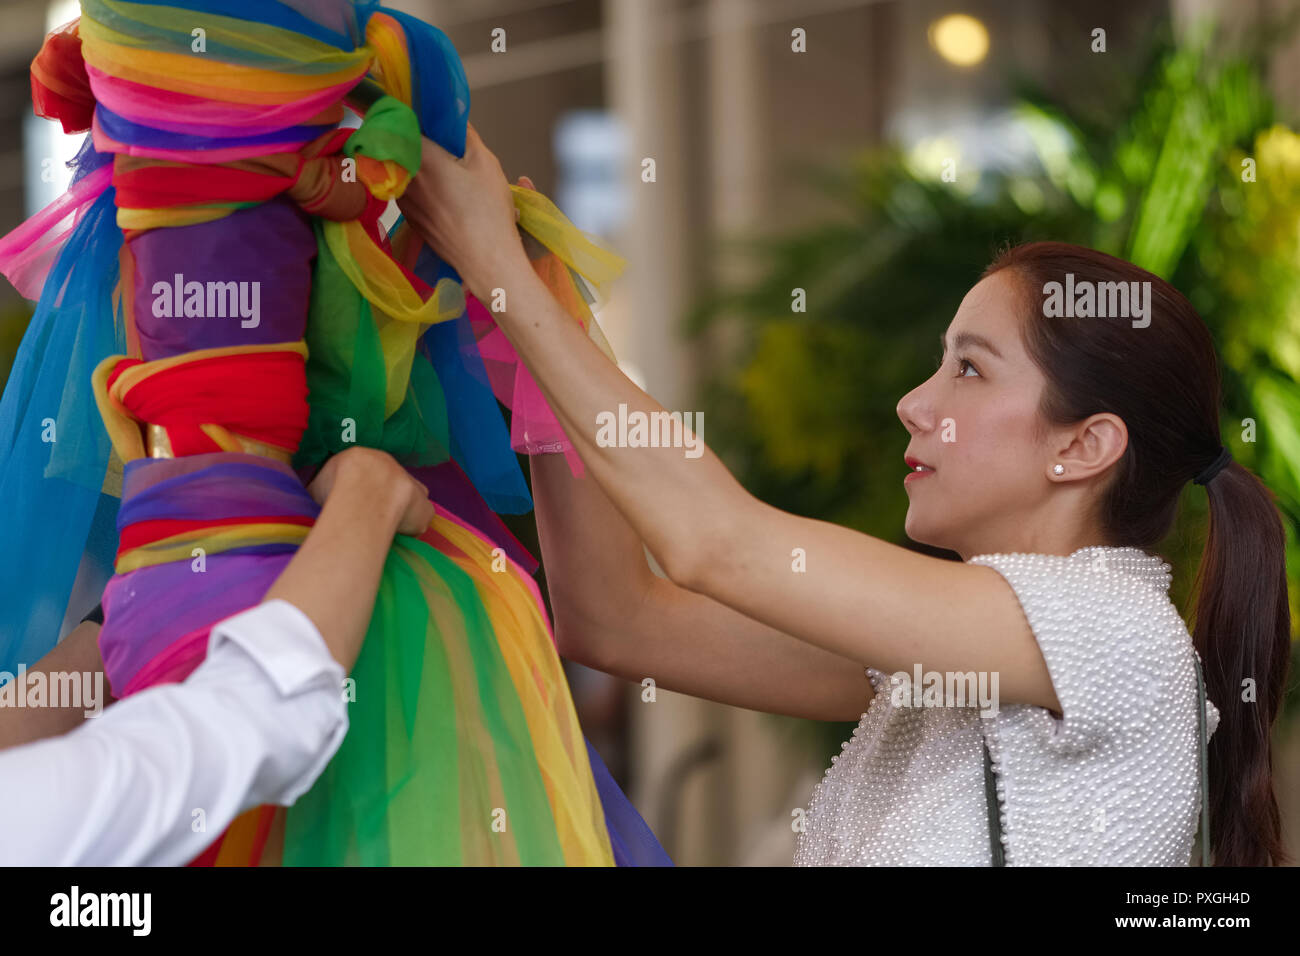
[(1163, 381)]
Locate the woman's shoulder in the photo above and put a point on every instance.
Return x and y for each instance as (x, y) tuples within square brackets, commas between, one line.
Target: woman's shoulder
[(1099, 597), (1121, 580), (1114, 644)]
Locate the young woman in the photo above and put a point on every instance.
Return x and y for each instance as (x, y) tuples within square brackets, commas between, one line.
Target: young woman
[(1050, 454)]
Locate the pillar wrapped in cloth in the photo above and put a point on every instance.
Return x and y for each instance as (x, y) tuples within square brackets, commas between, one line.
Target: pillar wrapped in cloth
[(218, 288)]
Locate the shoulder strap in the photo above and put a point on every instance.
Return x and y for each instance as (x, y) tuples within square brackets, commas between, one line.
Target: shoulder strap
[(991, 801), (1205, 762)]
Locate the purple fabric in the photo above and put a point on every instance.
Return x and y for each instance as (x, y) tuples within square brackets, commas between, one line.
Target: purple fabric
[(122, 130), (271, 244), (147, 610), (211, 486), (632, 840), (451, 488)]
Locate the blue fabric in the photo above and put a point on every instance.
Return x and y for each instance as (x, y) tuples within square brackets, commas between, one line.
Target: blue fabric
[(480, 440), (439, 87), (125, 131), (633, 841), (52, 489), (87, 160)]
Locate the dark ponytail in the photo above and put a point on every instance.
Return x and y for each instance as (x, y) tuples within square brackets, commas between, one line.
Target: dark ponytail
[(1163, 381), (1242, 632)]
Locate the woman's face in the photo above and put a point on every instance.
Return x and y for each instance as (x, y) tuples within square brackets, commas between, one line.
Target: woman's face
[(975, 427)]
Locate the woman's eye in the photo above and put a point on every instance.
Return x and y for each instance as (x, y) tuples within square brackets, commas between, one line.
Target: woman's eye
[(962, 365)]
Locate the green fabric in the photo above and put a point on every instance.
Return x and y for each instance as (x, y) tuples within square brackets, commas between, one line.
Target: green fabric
[(394, 793), (390, 131), (346, 375), (408, 786), (347, 379)]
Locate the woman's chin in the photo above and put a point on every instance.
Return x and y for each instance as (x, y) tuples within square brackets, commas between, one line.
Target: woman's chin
[(926, 531), (918, 530)]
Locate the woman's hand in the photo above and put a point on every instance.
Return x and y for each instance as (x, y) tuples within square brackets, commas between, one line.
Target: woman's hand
[(377, 482), (463, 209)]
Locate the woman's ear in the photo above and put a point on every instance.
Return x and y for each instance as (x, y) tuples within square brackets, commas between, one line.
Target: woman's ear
[(1091, 446)]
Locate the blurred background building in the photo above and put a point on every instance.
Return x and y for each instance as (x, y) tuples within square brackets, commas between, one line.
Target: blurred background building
[(815, 136)]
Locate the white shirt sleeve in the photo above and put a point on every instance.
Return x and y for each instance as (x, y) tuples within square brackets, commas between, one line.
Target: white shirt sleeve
[(255, 723)]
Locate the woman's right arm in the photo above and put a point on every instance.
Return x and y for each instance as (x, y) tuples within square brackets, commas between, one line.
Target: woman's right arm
[(613, 613)]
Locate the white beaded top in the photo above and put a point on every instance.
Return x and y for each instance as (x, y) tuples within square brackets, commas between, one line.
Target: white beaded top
[(1114, 782)]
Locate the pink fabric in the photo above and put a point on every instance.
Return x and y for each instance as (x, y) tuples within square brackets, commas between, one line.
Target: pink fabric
[(160, 109), (28, 253), (173, 665), (534, 429)]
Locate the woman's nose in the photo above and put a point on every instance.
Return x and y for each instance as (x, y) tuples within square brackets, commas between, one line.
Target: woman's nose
[(913, 411)]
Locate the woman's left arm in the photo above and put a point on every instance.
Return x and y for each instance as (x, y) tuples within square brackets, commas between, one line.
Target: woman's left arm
[(858, 596), (78, 654)]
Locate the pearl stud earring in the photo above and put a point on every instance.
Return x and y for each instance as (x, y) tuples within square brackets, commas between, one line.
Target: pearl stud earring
[(1058, 469)]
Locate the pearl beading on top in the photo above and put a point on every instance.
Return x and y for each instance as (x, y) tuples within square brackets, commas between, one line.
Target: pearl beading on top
[(1114, 782), (1129, 561)]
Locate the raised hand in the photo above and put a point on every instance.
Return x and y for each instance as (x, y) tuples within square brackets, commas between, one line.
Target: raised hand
[(463, 209)]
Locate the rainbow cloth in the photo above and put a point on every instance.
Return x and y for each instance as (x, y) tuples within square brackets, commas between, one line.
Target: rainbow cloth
[(220, 310)]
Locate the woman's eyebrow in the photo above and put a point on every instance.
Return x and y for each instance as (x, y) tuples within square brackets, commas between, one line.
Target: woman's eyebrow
[(974, 339)]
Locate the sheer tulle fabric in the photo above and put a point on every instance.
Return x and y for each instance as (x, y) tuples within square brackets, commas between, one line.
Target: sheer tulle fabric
[(54, 451), (464, 746)]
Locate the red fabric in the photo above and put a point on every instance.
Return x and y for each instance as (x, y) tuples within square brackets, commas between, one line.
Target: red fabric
[(266, 816), (209, 856), (260, 395), (60, 86), (310, 176), (159, 186), (147, 532), (328, 143)]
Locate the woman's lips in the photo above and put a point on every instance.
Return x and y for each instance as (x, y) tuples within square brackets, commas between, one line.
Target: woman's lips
[(919, 469)]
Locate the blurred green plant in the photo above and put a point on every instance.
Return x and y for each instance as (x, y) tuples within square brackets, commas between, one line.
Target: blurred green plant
[(806, 414)]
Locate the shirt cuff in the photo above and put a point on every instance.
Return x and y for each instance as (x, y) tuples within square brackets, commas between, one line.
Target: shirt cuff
[(283, 641)]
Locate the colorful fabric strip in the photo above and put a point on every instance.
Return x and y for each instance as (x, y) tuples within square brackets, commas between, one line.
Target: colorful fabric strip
[(202, 396), (464, 744)]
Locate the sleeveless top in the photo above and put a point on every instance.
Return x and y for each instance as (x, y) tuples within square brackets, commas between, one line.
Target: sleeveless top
[(1113, 782)]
